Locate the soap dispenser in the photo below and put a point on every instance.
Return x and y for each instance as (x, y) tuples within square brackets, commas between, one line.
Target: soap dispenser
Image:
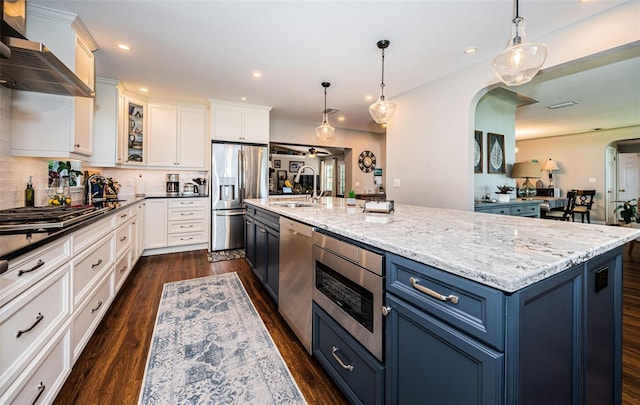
[(29, 194)]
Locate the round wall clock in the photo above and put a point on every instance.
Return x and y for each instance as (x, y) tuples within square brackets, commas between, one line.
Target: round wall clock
[(367, 161)]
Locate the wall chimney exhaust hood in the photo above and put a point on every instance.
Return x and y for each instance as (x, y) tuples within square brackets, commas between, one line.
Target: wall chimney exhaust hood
[(33, 67)]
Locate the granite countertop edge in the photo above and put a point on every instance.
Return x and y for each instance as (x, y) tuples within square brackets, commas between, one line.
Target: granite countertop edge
[(500, 251)]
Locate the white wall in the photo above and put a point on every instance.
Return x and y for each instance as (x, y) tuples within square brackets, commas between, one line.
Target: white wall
[(580, 157), (285, 131), (497, 116), (429, 142)]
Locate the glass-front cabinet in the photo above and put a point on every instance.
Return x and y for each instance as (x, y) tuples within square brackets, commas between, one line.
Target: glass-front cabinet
[(135, 143)]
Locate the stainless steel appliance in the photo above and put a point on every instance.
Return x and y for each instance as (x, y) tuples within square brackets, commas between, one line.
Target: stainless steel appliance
[(238, 171), (296, 278), (349, 286), (39, 219), (173, 184)]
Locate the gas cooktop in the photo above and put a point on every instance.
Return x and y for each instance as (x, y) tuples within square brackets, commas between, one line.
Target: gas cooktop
[(39, 218)]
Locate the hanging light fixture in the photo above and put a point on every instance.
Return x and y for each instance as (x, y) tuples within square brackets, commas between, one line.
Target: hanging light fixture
[(382, 111), (522, 60), (325, 131)]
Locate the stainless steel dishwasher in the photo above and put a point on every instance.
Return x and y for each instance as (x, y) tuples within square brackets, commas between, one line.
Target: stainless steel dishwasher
[(296, 278)]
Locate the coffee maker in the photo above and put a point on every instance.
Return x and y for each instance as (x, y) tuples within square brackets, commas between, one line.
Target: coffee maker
[(173, 184)]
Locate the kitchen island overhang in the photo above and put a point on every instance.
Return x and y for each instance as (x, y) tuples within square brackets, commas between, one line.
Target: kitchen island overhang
[(503, 252)]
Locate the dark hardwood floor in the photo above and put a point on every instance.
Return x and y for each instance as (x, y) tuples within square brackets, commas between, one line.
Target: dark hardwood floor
[(111, 367)]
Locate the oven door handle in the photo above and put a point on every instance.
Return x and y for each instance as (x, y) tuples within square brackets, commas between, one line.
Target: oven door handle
[(451, 298), (334, 350)]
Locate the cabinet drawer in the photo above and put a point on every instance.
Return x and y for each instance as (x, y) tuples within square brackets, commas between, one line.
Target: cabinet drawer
[(518, 210), (30, 320), (43, 379), (187, 238), (85, 238), (123, 216), (123, 239), (478, 310), (356, 371), (87, 317), (532, 210), (187, 203), (122, 269), (88, 268), (501, 210), (28, 269), (185, 214), (187, 226)]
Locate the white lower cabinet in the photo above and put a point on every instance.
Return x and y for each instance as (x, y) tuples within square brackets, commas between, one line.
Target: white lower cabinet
[(52, 300), (178, 224)]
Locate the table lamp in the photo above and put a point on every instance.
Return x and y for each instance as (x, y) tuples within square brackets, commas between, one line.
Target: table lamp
[(550, 165), (526, 170)]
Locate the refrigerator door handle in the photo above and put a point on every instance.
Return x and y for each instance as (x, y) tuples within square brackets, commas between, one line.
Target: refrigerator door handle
[(231, 214), (240, 176)]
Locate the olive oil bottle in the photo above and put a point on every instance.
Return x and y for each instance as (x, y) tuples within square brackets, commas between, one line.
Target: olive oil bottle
[(29, 194)]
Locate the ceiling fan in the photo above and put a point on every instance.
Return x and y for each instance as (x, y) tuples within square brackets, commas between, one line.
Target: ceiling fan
[(313, 152)]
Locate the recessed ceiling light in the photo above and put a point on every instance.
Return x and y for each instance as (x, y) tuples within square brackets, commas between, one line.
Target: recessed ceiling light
[(341, 118), (243, 98), (368, 98), (562, 104), (144, 89), (257, 75), (124, 47), (469, 51)]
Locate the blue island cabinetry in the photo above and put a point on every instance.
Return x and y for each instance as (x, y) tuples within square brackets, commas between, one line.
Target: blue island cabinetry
[(262, 241), (557, 341)]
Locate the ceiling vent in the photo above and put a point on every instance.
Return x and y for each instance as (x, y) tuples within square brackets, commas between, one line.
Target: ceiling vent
[(562, 105)]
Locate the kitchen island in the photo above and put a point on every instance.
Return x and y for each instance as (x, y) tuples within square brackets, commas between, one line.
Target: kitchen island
[(539, 313)]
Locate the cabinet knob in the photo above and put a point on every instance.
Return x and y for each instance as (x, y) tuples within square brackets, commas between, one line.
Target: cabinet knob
[(77, 145), (386, 310)]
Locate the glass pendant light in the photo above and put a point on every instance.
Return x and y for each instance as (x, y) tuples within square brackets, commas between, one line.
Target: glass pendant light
[(382, 111), (521, 61), (325, 131)]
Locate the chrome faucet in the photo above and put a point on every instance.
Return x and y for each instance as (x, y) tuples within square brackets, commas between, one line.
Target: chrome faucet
[(296, 179)]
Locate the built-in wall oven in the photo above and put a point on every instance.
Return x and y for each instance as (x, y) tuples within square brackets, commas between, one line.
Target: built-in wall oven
[(349, 286)]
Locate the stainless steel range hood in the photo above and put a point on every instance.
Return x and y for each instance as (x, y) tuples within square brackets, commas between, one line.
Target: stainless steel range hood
[(33, 67)]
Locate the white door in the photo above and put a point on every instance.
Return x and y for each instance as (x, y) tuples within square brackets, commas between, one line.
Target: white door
[(610, 185), (628, 176)]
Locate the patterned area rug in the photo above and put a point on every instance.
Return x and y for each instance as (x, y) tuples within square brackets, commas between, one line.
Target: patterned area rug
[(209, 346), (225, 255)]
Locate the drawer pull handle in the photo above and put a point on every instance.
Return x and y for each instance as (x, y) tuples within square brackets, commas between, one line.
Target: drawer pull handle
[(123, 239), (339, 360), (96, 308), (96, 264), (263, 230), (41, 388), (186, 202), (451, 298), (39, 319), (123, 268), (123, 216), (186, 214), (37, 266), (189, 238), (188, 226)]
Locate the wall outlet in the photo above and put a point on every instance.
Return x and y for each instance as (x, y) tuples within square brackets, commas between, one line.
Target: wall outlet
[(592, 180), (357, 184), (396, 182)]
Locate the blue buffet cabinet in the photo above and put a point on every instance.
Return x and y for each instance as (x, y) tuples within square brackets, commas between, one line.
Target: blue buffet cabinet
[(555, 342)]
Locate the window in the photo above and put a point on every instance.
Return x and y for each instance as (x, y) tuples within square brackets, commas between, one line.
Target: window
[(341, 178), (328, 177)]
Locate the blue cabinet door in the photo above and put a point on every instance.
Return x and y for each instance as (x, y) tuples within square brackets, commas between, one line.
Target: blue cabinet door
[(429, 362), (271, 274), (250, 241)]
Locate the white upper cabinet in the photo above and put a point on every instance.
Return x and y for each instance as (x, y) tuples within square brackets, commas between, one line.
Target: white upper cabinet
[(177, 136), (238, 122), (54, 126), (108, 124)]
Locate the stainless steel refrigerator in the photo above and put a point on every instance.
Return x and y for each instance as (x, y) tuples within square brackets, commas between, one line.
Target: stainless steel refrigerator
[(238, 172)]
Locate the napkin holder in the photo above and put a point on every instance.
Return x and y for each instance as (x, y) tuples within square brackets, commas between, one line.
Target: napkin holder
[(378, 206)]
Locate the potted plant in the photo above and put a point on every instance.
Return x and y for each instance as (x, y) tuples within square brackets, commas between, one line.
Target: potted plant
[(629, 211), (503, 193), (351, 200)]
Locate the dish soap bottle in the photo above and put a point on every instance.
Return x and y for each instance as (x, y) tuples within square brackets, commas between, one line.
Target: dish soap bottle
[(29, 194)]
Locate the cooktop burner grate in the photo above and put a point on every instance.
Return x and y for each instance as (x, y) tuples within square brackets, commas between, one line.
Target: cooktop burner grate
[(24, 218)]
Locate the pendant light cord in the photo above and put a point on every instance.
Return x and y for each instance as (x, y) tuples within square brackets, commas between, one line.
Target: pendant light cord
[(382, 82), (325, 101)]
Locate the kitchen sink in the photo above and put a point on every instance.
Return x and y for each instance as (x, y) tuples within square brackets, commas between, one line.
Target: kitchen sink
[(294, 204)]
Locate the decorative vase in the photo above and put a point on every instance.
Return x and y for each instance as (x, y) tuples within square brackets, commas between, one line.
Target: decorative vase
[(504, 197), (351, 201)]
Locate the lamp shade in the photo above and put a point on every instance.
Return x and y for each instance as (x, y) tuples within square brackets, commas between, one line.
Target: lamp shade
[(526, 169), (550, 165)]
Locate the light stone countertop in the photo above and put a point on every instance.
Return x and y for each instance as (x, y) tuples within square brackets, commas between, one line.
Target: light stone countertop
[(501, 251)]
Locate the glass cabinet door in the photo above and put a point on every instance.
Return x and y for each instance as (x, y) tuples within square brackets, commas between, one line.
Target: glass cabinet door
[(135, 132)]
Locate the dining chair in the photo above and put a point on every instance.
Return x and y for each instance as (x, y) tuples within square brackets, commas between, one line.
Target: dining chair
[(584, 202), (566, 213)]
